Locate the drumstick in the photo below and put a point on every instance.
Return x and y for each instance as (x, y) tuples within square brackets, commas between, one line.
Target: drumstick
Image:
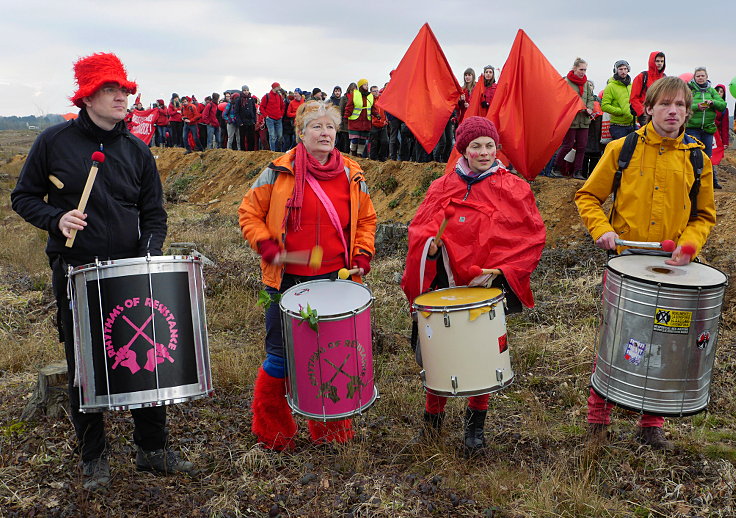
[(98, 157), (667, 245), (344, 273), (312, 257), (449, 212), (476, 270)]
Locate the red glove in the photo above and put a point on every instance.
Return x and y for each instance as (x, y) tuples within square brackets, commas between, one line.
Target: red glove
[(269, 250), (363, 261)]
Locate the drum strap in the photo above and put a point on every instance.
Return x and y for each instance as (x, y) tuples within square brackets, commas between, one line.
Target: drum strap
[(331, 212), (445, 262)]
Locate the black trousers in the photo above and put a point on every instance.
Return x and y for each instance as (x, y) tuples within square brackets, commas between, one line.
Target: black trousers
[(150, 431)]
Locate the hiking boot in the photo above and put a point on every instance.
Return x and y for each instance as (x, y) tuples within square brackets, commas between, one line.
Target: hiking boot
[(717, 185), (475, 439), (578, 175), (556, 174), (654, 437), (597, 433), (162, 461), (95, 473)]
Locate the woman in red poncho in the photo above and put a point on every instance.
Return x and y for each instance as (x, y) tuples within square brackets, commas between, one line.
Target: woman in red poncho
[(495, 224)]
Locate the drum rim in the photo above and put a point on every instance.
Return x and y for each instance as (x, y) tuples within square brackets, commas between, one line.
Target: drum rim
[(129, 261), (667, 284), (331, 316), (460, 307)]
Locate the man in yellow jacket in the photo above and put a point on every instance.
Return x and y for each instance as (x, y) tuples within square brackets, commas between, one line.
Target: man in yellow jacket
[(652, 204)]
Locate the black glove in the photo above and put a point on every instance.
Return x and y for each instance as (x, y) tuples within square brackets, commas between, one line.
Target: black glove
[(484, 104)]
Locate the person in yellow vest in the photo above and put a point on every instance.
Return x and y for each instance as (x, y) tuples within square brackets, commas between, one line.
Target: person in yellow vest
[(358, 113)]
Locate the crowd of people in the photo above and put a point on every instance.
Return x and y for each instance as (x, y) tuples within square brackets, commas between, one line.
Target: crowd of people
[(315, 194), (237, 119)]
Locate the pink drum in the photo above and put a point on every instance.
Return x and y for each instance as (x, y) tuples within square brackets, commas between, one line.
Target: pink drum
[(330, 359)]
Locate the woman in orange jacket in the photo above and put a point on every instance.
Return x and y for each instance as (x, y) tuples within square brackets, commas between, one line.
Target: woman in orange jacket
[(281, 214)]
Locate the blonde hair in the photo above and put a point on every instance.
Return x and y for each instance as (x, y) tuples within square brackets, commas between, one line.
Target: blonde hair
[(311, 110)]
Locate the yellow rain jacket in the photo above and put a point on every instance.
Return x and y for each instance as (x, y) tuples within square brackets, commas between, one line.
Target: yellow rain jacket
[(262, 213), (653, 202)]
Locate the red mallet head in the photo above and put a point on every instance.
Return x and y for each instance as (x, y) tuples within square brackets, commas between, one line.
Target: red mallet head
[(449, 211), (688, 249), (98, 156), (668, 245), (475, 270)]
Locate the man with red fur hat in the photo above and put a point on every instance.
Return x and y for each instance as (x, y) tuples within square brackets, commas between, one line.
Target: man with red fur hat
[(124, 217)]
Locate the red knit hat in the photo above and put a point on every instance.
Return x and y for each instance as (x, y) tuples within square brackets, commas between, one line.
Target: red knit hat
[(275, 85), (471, 128), (91, 72)]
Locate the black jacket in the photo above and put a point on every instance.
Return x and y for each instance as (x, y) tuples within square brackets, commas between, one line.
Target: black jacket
[(125, 213), (247, 110)]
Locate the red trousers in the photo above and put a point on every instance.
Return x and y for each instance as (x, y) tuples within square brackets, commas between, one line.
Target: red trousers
[(436, 404)]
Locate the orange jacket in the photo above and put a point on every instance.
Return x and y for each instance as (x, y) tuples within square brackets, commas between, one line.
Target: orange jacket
[(262, 213), (293, 107)]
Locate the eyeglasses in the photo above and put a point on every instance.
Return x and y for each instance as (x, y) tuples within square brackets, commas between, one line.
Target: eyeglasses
[(114, 90)]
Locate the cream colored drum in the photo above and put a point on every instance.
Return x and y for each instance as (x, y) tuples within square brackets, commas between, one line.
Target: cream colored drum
[(462, 336)]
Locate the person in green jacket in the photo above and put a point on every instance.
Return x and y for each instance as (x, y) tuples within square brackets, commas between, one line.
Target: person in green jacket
[(616, 100), (706, 102)]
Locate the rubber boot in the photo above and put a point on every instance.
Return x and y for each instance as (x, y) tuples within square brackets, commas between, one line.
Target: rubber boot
[(331, 431), (474, 423), (273, 424)]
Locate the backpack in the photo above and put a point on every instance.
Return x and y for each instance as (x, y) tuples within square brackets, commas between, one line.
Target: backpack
[(624, 157), (644, 78)]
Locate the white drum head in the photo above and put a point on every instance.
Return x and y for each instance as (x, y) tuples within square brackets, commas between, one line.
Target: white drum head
[(652, 268), (327, 297)]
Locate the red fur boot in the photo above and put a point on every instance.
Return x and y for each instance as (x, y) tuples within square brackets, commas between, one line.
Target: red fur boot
[(273, 423), (331, 431)]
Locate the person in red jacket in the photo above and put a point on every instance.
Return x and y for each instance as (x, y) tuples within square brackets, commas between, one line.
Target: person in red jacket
[(162, 124), (175, 121), (358, 112), (272, 108), (464, 102), (209, 117), (496, 224), (488, 90), (190, 116), (721, 136), (643, 81)]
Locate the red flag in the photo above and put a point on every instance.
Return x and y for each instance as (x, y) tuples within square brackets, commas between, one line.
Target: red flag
[(422, 92), (533, 107)]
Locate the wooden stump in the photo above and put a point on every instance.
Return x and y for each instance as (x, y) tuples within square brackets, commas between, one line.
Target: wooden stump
[(50, 397)]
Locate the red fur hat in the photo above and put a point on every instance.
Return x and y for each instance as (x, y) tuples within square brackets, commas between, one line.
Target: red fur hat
[(91, 72)]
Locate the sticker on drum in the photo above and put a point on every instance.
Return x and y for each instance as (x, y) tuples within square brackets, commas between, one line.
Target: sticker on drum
[(330, 369)]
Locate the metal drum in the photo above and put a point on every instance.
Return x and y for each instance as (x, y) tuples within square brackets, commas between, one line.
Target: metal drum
[(330, 366), (658, 335), (462, 336), (140, 332)]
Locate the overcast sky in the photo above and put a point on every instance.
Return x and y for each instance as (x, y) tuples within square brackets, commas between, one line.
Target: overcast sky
[(198, 47)]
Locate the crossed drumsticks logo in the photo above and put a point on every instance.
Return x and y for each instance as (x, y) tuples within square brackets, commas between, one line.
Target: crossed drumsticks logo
[(328, 389), (127, 357)]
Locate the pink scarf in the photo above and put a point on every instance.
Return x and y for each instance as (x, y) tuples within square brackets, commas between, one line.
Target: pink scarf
[(305, 163)]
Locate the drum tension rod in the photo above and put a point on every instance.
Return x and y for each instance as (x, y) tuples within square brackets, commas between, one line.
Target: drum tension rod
[(447, 320)]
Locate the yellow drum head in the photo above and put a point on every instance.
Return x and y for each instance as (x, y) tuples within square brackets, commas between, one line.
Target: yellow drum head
[(452, 297)]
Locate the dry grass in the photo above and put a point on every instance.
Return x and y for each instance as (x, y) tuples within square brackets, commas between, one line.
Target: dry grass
[(536, 463)]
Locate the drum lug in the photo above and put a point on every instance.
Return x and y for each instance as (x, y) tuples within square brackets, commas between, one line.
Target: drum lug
[(423, 376), (453, 380), (447, 320), (499, 375), (492, 312)]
